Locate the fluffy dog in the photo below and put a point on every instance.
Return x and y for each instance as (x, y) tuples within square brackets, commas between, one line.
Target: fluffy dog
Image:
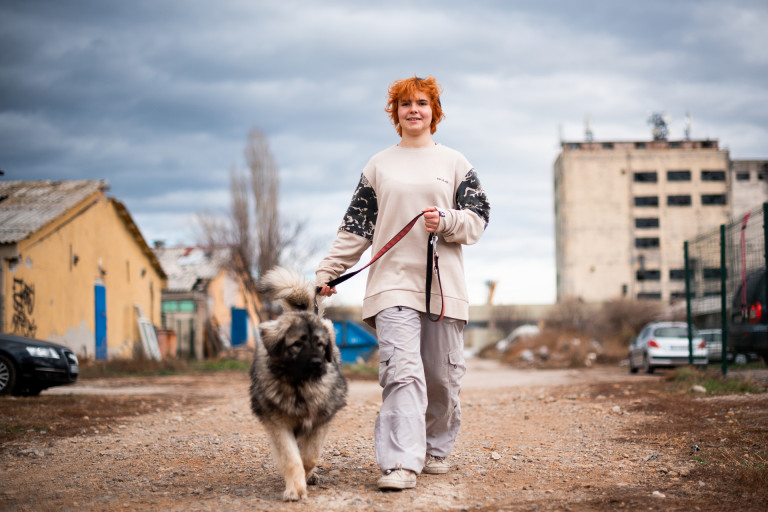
[(296, 381)]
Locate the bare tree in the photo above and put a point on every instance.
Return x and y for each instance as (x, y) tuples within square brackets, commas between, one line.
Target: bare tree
[(265, 187), (257, 238)]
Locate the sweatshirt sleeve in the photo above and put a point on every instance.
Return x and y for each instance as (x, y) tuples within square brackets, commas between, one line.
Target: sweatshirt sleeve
[(466, 224), (355, 233)]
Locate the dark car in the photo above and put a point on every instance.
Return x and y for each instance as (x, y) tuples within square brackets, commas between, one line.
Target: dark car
[(28, 366), (748, 331)]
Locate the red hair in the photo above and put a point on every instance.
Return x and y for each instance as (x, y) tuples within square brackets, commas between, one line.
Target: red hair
[(407, 89)]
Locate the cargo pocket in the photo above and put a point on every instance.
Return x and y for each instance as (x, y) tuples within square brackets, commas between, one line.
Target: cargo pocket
[(456, 370), (386, 365)]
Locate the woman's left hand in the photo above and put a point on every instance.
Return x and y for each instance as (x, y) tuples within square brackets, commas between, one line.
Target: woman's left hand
[(431, 218)]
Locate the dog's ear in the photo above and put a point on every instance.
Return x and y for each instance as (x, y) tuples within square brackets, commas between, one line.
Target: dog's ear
[(272, 332), (331, 339)]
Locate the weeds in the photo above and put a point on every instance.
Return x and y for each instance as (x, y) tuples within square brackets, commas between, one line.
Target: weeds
[(148, 368), (685, 377)]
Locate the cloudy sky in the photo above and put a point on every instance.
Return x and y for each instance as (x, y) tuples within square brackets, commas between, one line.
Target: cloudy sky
[(157, 97)]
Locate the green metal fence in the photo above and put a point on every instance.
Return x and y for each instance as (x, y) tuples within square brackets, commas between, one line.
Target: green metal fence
[(723, 268)]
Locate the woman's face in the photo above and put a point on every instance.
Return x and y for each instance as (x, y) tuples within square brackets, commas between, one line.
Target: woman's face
[(415, 114)]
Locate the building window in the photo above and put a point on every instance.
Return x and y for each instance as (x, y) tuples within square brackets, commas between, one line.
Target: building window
[(647, 222), (674, 144), (761, 175), (646, 177), (607, 145), (712, 175), (647, 201), (574, 146), (683, 200), (639, 145), (678, 175), (710, 272), (716, 199), (676, 296), (178, 306), (649, 296), (647, 242), (648, 275), (677, 274), (742, 176)]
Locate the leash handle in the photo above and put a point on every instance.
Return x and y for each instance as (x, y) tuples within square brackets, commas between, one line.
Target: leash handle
[(432, 260)]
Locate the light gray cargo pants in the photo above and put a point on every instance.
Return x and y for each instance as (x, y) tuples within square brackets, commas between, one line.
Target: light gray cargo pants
[(420, 370)]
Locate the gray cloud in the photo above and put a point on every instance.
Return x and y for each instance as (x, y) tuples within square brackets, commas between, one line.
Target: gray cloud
[(158, 98)]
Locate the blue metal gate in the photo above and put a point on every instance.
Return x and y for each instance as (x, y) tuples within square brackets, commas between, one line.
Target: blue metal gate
[(100, 329), (239, 326)]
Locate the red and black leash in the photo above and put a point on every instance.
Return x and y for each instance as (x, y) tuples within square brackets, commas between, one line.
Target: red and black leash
[(431, 260)]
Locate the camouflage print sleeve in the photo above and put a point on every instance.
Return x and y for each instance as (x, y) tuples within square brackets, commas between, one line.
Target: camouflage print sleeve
[(360, 218), (471, 196)]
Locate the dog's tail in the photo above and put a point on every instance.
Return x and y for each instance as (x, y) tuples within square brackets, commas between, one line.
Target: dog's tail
[(293, 291)]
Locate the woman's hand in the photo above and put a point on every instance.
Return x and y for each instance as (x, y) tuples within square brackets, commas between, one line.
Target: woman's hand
[(431, 218), (326, 291)]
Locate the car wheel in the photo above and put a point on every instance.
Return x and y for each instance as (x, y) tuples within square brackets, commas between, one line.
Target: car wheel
[(741, 359), (647, 368), (632, 367), (7, 375)]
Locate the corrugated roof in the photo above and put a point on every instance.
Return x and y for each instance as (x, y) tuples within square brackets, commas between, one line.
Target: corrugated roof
[(185, 266), (27, 206)]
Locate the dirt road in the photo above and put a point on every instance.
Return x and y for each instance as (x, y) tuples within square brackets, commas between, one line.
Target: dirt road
[(595, 439)]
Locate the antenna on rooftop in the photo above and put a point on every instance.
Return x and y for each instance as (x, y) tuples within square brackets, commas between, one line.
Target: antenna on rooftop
[(659, 122), (688, 126), (588, 135)]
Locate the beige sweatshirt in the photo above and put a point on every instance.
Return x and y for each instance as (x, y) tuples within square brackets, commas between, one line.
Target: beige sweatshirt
[(394, 187)]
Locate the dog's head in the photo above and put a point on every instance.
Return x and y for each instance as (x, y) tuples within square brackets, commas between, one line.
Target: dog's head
[(299, 345)]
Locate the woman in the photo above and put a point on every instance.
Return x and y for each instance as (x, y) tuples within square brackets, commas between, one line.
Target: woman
[(421, 362)]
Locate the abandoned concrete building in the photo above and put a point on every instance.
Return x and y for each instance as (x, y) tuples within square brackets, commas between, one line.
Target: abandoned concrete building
[(624, 208)]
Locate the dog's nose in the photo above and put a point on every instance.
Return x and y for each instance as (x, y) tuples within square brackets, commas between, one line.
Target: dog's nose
[(316, 362)]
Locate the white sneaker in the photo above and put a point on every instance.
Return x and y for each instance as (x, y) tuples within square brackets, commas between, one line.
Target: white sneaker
[(397, 479), (435, 465)]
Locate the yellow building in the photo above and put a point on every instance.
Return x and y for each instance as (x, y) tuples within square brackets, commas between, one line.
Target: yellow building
[(206, 305), (74, 268)]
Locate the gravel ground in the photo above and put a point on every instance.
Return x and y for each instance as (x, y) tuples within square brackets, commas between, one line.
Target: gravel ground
[(531, 440)]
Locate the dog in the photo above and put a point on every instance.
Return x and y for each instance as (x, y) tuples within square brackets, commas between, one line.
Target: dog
[(296, 382)]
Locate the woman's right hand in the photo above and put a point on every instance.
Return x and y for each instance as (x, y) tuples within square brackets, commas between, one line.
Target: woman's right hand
[(326, 291)]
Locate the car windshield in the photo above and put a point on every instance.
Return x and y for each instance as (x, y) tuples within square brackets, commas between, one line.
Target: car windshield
[(671, 332), (711, 336)]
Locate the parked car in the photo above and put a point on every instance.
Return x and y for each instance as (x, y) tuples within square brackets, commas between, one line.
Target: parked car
[(714, 340), (748, 330), (665, 344), (28, 366)]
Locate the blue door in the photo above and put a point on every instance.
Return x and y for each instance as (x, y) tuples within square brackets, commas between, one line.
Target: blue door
[(239, 326), (100, 295)]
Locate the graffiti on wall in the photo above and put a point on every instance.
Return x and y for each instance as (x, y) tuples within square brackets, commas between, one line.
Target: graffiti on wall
[(23, 307)]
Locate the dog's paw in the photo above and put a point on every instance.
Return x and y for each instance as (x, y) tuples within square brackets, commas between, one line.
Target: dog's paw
[(294, 495)]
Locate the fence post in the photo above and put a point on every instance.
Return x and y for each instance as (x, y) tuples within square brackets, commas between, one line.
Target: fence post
[(688, 303), (723, 301)]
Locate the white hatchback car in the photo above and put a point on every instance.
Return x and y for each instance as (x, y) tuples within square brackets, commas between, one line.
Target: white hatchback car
[(665, 344)]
